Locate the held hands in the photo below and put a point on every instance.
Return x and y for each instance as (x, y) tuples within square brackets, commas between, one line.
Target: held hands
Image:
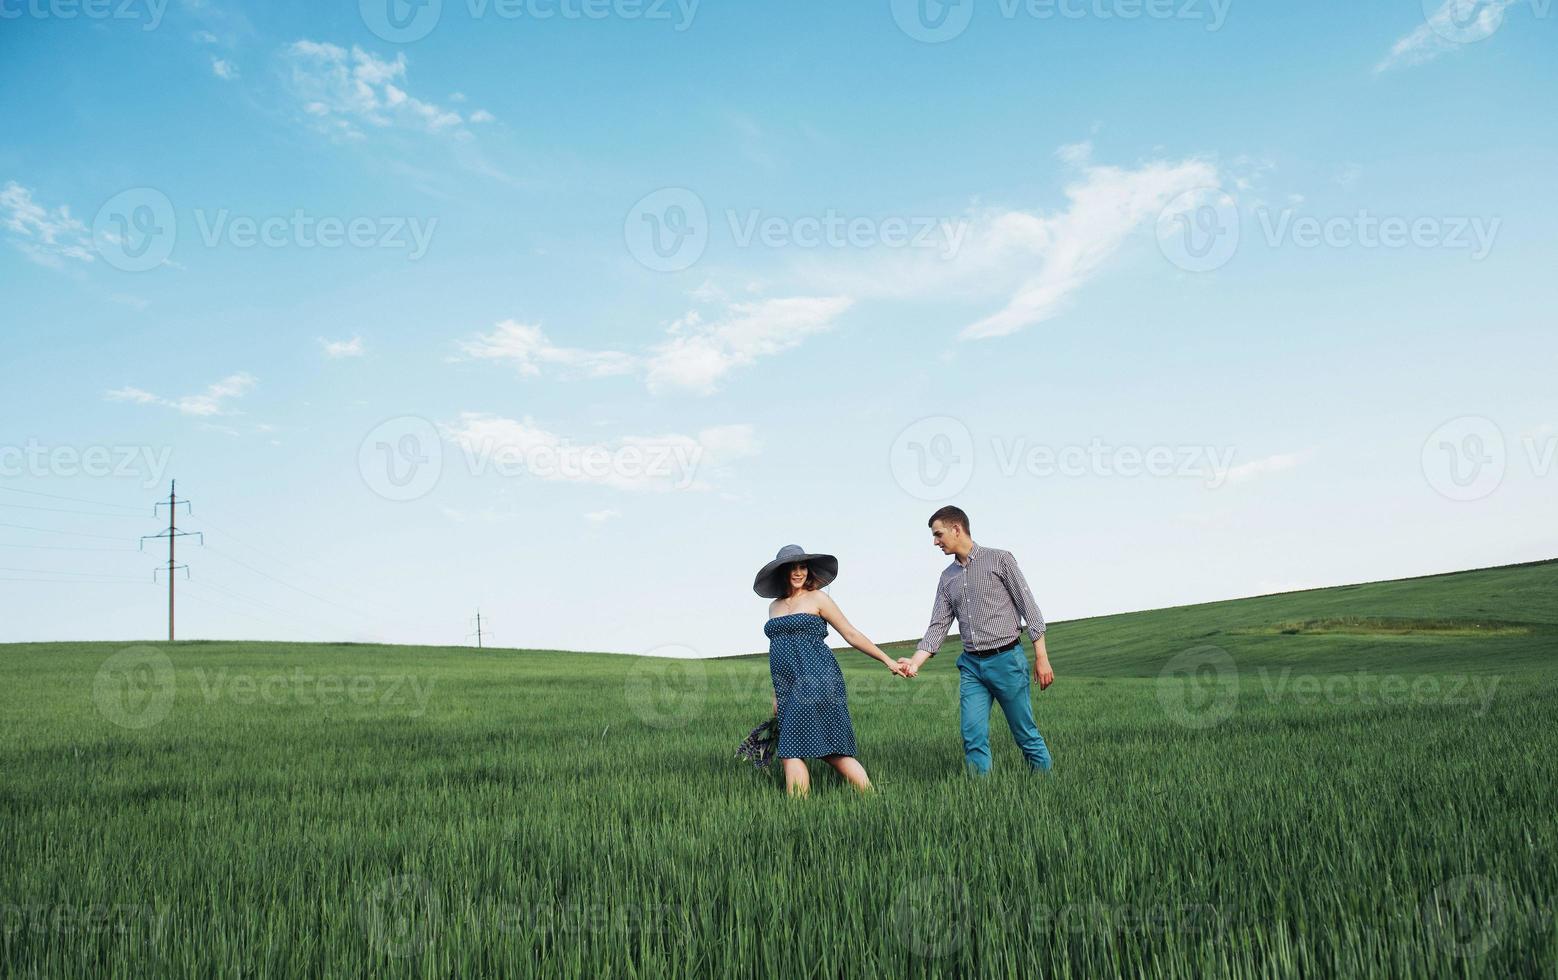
[(897, 667), (907, 667)]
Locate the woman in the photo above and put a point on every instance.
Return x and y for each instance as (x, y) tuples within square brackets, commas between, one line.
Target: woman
[(809, 698)]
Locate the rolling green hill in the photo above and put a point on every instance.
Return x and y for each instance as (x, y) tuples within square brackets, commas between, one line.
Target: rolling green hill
[(1349, 781), (1483, 619)]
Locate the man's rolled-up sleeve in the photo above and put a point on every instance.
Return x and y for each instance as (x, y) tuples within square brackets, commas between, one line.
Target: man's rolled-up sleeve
[(1023, 597), (940, 622)]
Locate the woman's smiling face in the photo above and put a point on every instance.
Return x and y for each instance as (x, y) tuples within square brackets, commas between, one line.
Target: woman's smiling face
[(798, 573)]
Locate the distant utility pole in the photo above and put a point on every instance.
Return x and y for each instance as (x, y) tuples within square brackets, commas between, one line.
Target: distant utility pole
[(172, 534), (478, 633)]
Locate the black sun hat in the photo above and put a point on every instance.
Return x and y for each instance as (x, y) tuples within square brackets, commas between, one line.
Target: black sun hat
[(770, 584)]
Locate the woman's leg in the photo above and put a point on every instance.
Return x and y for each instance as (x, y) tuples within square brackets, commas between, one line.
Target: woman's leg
[(851, 769), (797, 780)]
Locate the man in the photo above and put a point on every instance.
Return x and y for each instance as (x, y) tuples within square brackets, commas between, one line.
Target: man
[(985, 590)]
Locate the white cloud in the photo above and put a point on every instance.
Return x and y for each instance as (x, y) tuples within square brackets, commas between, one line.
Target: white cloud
[(1076, 154), (482, 116), (346, 90), (492, 444), (47, 237), (342, 348), (1106, 206), (1032, 262), (224, 69), (1466, 20), (528, 347), (698, 354), (1262, 467), (137, 303), (602, 516), (207, 403)]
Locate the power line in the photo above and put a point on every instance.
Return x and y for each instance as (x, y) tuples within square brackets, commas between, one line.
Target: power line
[(207, 600), (78, 513), (263, 574), (53, 571), (53, 530), (78, 500), (105, 580), (262, 603), (385, 610), (66, 547)]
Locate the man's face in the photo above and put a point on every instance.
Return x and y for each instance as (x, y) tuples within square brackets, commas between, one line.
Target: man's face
[(946, 536)]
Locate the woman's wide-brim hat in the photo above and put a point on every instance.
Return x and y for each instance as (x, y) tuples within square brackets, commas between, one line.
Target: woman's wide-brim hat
[(771, 584)]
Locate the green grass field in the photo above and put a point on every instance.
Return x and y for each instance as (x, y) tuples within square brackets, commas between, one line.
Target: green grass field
[(1349, 781)]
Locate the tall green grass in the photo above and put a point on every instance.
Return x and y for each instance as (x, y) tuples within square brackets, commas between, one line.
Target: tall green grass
[(1226, 802)]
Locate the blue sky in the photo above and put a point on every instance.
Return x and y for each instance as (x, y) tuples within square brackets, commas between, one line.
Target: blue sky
[(578, 312)]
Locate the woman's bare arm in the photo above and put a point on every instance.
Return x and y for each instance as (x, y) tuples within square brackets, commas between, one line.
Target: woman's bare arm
[(835, 618)]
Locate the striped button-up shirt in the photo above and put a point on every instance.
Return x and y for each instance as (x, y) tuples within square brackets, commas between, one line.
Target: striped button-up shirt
[(990, 600)]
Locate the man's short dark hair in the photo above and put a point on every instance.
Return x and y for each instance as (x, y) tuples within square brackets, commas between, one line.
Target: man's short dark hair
[(950, 515)]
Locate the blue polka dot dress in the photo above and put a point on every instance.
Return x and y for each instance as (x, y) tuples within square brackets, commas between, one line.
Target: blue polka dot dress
[(813, 713)]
